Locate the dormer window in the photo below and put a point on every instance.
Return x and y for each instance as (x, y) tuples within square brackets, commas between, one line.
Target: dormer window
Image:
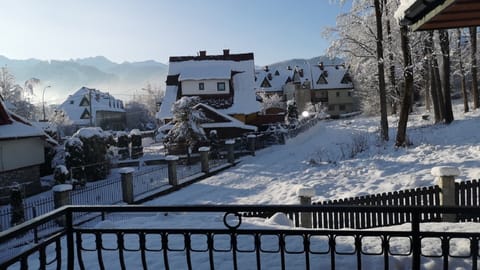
[(71, 102), (322, 79), (201, 86), (265, 83), (84, 102), (220, 86), (85, 114), (346, 79)]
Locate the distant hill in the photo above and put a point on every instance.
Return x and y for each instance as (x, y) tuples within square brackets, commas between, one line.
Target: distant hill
[(65, 77)]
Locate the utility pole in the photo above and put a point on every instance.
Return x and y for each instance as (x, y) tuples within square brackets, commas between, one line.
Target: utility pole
[(43, 102)]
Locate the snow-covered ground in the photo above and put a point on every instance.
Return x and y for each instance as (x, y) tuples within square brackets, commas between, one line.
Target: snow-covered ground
[(327, 157), (339, 159)]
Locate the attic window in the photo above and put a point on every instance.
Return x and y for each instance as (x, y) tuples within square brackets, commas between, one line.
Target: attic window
[(71, 102), (322, 79), (201, 86), (85, 114), (220, 86), (346, 79), (84, 102), (265, 83), (277, 73)]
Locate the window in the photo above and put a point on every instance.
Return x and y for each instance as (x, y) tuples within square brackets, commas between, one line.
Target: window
[(201, 86), (331, 107), (337, 94), (342, 107), (265, 83), (71, 101), (349, 93), (220, 86)]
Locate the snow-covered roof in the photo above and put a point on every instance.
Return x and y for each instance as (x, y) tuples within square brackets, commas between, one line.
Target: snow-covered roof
[(77, 104), (218, 71), (272, 79), (334, 76), (239, 67), (230, 121), (13, 126)]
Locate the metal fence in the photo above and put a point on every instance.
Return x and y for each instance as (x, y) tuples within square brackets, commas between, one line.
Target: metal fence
[(233, 246), (148, 180)]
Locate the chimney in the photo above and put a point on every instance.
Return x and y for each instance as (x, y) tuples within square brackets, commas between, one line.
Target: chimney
[(321, 65), (226, 52), (266, 68), (203, 53)]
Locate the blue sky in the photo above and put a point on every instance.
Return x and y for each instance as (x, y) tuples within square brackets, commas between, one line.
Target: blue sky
[(136, 30)]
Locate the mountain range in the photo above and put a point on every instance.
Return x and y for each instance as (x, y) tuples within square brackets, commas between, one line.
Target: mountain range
[(123, 80), (67, 76)]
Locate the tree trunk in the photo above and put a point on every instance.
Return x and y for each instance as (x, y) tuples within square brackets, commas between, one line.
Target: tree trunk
[(428, 43), (445, 47), (394, 93), (407, 94), (381, 72), (473, 44), (462, 72)]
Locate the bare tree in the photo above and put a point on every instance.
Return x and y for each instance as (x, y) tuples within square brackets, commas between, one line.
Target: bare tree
[(445, 47), (401, 139), (473, 45), (381, 72)]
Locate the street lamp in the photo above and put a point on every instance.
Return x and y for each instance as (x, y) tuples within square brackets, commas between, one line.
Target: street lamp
[(43, 101)]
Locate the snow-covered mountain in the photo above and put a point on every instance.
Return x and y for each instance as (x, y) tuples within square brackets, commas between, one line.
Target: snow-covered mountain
[(65, 77)]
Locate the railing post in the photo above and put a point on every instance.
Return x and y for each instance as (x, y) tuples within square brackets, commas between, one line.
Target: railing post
[(204, 151), (251, 143), (126, 175), (230, 145), (305, 195), (172, 169), (445, 176), (68, 216), (61, 197)]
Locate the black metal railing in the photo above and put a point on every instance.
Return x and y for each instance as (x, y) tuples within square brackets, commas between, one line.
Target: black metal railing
[(218, 237)]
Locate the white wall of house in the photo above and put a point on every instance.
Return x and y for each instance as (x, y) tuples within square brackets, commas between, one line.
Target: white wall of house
[(20, 153), (191, 87)]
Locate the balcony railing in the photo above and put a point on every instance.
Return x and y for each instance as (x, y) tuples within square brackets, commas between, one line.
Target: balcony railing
[(219, 237)]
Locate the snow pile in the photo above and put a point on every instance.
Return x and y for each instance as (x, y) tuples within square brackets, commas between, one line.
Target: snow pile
[(279, 219), (89, 132)]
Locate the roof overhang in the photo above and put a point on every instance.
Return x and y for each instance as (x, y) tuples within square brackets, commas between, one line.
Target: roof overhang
[(442, 14)]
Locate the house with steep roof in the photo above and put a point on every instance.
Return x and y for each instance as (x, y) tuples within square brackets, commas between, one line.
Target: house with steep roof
[(22, 151), (224, 82), (328, 85), (92, 107)]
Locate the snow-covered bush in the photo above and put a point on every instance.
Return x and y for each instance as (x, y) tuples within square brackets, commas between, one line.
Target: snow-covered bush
[(61, 174), (292, 113), (136, 138), (123, 140), (186, 130), (87, 154)]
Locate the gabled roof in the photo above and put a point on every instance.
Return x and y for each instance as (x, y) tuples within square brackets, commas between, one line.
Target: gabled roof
[(275, 78), (238, 67), (222, 120), (220, 71), (76, 104), (13, 126), (336, 76)]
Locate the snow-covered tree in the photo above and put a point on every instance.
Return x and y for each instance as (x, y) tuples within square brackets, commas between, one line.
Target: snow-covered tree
[(271, 101), (15, 95), (292, 113), (187, 120)]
